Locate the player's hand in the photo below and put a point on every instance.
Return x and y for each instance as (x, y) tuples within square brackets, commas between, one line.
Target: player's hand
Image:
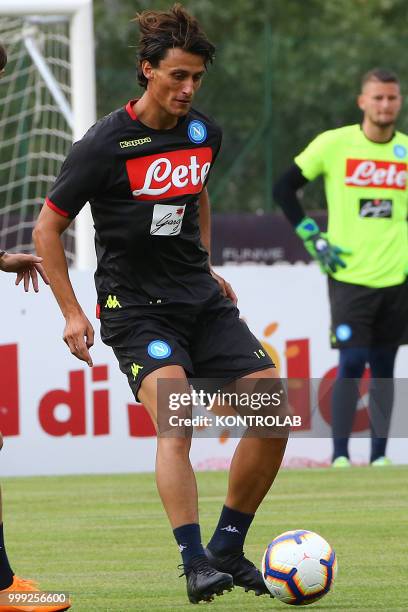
[(79, 336), (225, 287), (27, 267), (326, 254)]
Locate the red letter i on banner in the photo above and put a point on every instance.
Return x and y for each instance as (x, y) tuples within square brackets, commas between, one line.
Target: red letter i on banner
[(298, 369), (9, 421), (100, 402)]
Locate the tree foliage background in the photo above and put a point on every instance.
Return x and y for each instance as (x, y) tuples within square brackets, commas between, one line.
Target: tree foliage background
[(285, 70)]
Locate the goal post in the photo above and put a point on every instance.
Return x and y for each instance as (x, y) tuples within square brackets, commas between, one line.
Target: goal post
[(74, 100)]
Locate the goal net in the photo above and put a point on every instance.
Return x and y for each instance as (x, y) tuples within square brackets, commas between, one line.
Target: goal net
[(35, 134), (47, 101)]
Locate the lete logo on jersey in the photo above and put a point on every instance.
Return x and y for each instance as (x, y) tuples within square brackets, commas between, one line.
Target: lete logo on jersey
[(170, 174), (167, 219), (371, 173)]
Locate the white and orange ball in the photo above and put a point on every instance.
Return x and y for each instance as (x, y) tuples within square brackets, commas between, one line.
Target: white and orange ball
[(299, 567)]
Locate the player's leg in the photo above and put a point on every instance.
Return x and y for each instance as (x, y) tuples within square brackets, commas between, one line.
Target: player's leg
[(382, 361), (353, 311), (6, 573), (253, 469), (10, 583), (255, 463), (177, 487), (390, 332), (226, 349), (175, 478), (145, 360), (352, 362)]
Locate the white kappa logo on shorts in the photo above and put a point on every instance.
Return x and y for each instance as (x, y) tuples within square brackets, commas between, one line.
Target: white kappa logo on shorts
[(167, 220)]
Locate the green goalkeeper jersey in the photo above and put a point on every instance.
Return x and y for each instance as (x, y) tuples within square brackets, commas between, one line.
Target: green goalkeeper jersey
[(366, 192)]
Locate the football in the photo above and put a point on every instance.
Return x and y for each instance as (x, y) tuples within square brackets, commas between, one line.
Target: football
[(299, 567)]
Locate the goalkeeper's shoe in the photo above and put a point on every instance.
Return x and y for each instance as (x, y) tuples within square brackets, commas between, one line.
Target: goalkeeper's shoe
[(21, 596), (203, 581), (382, 462), (243, 571), (341, 462), (316, 243)]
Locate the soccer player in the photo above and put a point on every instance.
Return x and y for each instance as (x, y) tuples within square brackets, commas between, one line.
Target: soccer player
[(27, 267), (144, 169), (365, 251)]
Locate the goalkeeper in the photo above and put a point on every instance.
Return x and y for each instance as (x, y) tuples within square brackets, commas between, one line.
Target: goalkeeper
[(364, 254)]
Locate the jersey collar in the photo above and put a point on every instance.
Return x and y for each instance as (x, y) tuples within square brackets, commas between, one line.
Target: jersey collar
[(130, 109)]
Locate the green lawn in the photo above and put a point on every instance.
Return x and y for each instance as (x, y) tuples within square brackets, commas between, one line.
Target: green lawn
[(106, 540)]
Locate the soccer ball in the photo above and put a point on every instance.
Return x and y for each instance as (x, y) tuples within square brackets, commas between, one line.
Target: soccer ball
[(299, 567)]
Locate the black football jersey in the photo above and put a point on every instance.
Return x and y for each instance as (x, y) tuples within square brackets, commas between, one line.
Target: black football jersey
[(143, 186)]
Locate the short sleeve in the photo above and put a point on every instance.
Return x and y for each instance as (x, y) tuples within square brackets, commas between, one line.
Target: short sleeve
[(82, 176), (215, 155), (312, 160)]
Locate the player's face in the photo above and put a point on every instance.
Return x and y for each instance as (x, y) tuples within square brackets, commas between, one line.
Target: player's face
[(175, 80), (380, 102)]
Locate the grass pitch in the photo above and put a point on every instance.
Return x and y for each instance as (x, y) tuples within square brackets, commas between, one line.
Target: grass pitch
[(106, 540)]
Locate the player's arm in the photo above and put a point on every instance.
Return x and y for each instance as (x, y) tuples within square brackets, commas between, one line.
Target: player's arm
[(285, 193), (78, 332), (205, 233)]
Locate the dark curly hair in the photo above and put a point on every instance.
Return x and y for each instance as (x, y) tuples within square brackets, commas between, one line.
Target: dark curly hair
[(163, 30)]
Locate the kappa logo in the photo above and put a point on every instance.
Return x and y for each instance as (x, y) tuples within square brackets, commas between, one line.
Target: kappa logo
[(134, 143), (182, 547), (230, 529), (171, 174), (135, 368), (112, 302)]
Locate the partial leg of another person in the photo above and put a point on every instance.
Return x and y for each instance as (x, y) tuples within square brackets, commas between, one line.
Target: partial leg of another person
[(11, 584)]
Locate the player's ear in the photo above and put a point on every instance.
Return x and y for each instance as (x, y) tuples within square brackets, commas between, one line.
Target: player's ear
[(147, 69), (361, 102)]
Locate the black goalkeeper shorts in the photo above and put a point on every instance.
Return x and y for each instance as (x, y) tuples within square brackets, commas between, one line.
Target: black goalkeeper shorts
[(210, 341), (366, 317)]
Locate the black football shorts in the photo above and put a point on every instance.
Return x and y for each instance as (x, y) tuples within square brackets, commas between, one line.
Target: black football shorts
[(208, 341), (366, 317)]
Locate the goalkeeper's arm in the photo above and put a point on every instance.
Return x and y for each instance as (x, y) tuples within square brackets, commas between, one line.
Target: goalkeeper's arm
[(285, 194)]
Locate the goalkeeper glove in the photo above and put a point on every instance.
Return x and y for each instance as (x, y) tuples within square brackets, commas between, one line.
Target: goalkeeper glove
[(316, 243)]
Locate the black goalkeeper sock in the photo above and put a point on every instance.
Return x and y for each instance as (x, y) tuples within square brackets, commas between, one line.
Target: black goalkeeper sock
[(6, 573)]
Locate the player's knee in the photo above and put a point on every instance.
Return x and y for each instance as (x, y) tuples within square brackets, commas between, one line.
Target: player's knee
[(352, 362), (176, 446)]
